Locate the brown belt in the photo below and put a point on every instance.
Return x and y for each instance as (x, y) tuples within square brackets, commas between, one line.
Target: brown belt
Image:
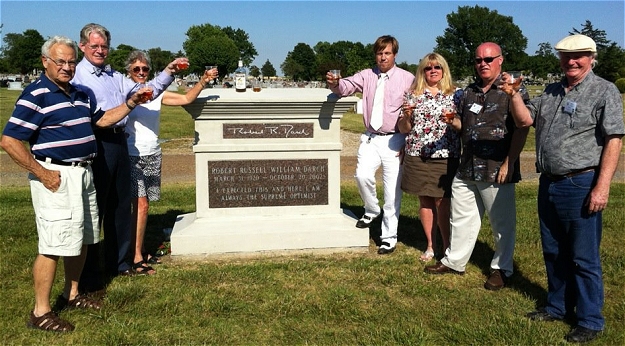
[(570, 174)]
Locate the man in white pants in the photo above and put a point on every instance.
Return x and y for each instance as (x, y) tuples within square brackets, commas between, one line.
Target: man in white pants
[(382, 89), (489, 167)]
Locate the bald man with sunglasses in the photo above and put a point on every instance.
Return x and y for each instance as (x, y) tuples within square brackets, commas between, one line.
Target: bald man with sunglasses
[(489, 167)]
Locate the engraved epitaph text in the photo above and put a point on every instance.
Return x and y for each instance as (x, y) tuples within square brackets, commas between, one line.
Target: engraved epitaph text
[(260, 183)]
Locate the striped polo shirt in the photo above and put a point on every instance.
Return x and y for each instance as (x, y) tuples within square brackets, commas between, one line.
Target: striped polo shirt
[(56, 125)]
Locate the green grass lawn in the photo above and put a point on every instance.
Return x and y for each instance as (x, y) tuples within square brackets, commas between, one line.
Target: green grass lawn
[(345, 299)]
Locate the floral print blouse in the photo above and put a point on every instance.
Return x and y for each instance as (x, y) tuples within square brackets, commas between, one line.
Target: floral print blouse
[(430, 137)]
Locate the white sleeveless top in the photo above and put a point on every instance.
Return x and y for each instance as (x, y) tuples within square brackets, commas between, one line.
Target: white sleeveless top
[(143, 128)]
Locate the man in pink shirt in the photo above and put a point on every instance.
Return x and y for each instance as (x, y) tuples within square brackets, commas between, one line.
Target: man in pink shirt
[(382, 89)]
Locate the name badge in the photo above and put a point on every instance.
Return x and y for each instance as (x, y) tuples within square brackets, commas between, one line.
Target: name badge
[(476, 108), (569, 107)]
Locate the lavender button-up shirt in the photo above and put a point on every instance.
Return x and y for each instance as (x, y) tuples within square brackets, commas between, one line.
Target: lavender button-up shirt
[(366, 81), (111, 88)]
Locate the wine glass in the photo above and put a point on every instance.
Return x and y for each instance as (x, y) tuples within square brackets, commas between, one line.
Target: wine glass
[(210, 67), (410, 99), (182, 65), (147, 95), (449, 113)]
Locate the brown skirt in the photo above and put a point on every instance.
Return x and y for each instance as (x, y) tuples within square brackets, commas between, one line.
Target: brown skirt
[(428, 177)]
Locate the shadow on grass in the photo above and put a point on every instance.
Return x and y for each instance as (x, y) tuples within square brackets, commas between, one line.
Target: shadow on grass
[(482, 256), (410, 233), (156, 231), (409, 229)]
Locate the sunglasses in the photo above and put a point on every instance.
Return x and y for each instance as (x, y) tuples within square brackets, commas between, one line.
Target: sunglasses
[(142, 68), (429, 68), (487, 59)]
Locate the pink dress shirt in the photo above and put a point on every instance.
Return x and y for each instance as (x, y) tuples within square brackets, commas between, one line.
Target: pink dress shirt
[(365, 81)]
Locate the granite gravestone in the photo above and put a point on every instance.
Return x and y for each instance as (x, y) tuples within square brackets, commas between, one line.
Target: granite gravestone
[(267, 174)]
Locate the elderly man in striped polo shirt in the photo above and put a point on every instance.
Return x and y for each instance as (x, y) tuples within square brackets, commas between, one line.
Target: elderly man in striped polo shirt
[(56, 119)]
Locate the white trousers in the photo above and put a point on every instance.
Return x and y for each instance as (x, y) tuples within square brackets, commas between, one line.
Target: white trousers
[(376, 151), (468, 202)]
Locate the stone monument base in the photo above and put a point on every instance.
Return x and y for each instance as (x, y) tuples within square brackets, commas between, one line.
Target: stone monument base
[(206, 236)]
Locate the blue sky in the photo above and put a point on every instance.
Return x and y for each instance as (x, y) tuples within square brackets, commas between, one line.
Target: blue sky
[(275, 27)]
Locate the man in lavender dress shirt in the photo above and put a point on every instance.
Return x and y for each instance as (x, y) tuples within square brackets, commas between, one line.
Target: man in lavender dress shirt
[(111, 168), (381, 144)]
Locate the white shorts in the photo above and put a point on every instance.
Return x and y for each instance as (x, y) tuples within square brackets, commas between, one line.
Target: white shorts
[(68, 218)]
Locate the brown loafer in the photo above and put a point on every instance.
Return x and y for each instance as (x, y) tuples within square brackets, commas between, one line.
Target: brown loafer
[(496, 280), (440, 268)]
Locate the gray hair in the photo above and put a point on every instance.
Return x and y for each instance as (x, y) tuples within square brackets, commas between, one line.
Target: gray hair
[(594, 60), (66, 41), (138, 55), (90, 28)]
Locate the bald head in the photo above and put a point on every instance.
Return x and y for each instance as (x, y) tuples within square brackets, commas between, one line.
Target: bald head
[(488, 61)]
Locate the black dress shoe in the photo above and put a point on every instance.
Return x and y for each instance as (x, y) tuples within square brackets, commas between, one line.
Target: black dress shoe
[(581, 335), (541, 315), (440, 268), (365, 221)]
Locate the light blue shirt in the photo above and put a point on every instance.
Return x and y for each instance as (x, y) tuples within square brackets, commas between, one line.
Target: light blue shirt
[(111, 88)]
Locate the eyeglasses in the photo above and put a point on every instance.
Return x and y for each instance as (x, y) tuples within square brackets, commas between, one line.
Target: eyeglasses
[(429, 68), (136, 69), (95, 47), (61, 63), (487, 59)]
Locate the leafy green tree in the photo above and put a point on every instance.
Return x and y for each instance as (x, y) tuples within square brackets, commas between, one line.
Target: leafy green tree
[(610, 57), (349, 57), (610, 61), (360, 57), (209, 45), (300, 63), (160, 59), (471, 26), (543, 62), (247, 52), (412, 68), (23, 51), (4, 65), (254, 71), (268, 70), (599, 36), (117, 57)]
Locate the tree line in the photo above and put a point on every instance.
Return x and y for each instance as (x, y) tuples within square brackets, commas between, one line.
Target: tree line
[(213, 45)]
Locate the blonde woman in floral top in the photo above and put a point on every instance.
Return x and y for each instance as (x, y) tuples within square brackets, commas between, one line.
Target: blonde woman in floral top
[(432, 147)]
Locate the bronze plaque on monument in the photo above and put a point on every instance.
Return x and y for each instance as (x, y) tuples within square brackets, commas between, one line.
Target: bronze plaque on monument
[(264, 183), (281, 130)]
